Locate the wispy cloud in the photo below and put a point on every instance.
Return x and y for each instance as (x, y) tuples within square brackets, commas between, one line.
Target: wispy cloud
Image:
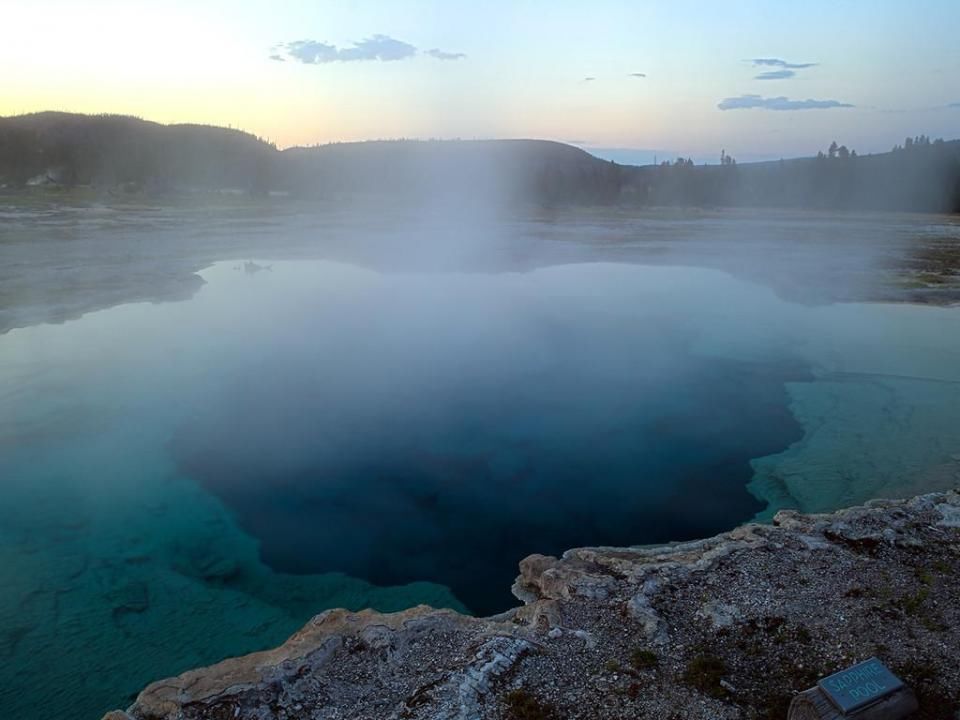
[(776, 75), (375, 47), (638, 75), (748, 102), (954, 105), (442, 55), (777, 62)]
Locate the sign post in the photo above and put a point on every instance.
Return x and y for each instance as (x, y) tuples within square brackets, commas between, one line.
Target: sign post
[(865, 691)]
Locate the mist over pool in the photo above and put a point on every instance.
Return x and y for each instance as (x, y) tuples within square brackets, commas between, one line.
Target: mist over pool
[(198, 478)]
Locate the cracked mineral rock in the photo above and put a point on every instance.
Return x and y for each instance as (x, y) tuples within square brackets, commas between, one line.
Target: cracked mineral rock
[(728, 627)]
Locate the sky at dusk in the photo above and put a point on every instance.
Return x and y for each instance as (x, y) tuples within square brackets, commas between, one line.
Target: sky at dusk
[(622, 79)]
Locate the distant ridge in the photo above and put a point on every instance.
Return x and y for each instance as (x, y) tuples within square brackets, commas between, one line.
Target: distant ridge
[(111, 151), (502, 170), (116, 152)]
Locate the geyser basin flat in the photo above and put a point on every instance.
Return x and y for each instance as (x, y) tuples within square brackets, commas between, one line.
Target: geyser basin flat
[(180, 482)]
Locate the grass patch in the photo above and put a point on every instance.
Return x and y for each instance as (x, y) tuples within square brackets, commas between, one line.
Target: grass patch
[(704, 673), (523, 705), (643, 659), (913, 604)]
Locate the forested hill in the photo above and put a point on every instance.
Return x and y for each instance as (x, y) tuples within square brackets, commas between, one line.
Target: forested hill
[(110, 152), (113, 153), (113, 150), (489, 170)]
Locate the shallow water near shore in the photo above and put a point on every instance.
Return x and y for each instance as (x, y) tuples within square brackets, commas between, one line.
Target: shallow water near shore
[(184, 481)]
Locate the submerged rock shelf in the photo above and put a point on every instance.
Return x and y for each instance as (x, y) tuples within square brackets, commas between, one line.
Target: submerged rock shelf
[(728, 627)]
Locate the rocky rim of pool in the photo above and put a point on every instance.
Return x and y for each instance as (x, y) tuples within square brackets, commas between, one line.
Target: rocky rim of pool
[(728, 627)]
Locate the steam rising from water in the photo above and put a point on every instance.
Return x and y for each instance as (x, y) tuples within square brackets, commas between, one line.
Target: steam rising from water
[(157, 460)]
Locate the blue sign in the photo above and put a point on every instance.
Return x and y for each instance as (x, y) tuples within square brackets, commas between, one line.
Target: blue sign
[(860, 685)]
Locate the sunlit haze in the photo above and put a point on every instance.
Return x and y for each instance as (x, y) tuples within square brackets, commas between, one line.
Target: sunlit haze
[(627, 80)]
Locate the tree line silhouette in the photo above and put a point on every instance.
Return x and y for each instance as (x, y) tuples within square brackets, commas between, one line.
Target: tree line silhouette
[(118, 152), (919, 176)]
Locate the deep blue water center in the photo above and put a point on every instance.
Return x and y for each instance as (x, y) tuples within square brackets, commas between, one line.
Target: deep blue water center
[(433, 433)]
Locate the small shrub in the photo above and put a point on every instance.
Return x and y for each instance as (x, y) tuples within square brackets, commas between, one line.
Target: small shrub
[(913, 604), (704, 673), (643, 659), (933, 624), (523, 705)]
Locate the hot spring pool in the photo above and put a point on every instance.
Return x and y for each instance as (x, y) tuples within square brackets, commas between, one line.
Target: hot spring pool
[(185, 481)]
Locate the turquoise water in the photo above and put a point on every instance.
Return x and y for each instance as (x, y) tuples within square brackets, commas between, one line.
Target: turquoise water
[(184, 481)]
